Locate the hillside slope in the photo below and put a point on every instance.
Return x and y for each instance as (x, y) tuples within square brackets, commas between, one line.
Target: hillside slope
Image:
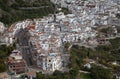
[(15, 10)]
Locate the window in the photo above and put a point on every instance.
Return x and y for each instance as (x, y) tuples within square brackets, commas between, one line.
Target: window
[(49, 60), (10, 66), (45, 45)]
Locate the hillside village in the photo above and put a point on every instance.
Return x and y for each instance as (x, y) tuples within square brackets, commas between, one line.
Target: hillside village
[(40, 42)]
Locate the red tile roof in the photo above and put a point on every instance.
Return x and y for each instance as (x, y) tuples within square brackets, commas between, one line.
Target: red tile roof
[(30, 27)]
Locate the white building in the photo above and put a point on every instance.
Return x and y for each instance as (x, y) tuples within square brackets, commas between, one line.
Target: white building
[(2, 27), (50, 62)]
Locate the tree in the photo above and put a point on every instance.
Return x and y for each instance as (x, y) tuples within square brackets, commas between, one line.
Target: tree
[(3, 67), (98, 72), (118, 15), (4, 52), (74, 73), (40, 76)]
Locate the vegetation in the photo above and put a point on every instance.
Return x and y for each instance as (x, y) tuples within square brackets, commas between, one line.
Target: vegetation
[(106, 54), (24, 10), (85, 76), (118, 15), (115, 43), (104, 30), (78, 54), (101, 73), (4, 52), (108, 30), (3, 66), (58, 75), (118, 29)]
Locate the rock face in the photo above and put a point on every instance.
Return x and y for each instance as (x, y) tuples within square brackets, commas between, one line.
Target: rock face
[(2, 27)]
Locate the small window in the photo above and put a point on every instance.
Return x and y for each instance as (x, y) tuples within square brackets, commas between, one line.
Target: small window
[(10, 66), (49, 60)]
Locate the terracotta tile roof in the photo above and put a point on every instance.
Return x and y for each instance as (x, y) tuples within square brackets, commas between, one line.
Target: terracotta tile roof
[(40, 33), (30, 27)]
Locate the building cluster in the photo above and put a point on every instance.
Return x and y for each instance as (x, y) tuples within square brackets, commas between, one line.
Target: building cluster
[(10, 33), (94, 12), (47, 38), (16, 63), (78, 25), (48, 34)]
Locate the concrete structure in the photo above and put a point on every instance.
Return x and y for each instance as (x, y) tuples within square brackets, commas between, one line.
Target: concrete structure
[(16, 63), (2, 27), (49, 62)]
